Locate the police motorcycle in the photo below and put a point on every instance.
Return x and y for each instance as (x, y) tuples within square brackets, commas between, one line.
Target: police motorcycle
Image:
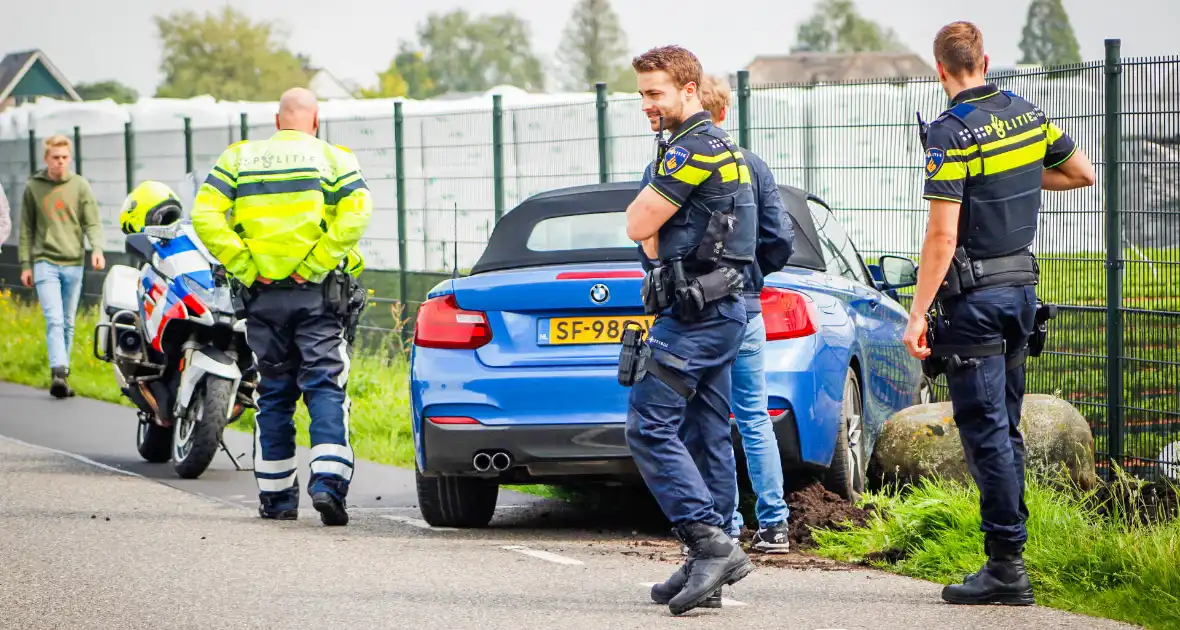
[(170, 331)]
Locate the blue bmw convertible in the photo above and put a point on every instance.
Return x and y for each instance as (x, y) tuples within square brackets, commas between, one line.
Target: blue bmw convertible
[(514, 380)]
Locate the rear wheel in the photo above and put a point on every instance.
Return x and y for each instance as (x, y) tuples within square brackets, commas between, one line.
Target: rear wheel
[(450, 501), (198, 433), (846, 475), (153, 442)]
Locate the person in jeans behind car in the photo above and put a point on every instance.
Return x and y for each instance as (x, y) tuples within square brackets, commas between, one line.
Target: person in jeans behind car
[(57, 210), (776, 242)]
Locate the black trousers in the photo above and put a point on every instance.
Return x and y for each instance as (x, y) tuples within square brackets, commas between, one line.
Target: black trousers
[(299, 346)]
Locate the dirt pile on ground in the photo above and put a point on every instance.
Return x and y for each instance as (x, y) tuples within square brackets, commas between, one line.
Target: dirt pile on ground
[(816, 507)]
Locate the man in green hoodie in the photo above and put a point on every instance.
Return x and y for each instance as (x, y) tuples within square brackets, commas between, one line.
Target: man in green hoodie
[(57, 209)]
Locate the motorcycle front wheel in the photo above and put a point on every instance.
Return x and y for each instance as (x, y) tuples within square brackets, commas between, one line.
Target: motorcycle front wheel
[(197, 434)]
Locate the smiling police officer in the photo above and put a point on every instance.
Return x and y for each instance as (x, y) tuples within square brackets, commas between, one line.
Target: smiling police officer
[(987, 160), (697, 220)]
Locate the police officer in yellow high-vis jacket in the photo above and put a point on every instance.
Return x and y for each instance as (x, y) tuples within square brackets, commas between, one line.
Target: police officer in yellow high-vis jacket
[(284, 215)]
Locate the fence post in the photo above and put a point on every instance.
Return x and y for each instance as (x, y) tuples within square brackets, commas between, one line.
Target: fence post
[(743, 90), (188, 145), (77, 149), (1114, 264), (603, 161), (399, 157), (245, 126), (497, 154), (129, 154), (32, 151)]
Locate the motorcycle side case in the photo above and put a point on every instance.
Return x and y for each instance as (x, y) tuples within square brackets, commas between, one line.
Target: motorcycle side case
[(119, 293)]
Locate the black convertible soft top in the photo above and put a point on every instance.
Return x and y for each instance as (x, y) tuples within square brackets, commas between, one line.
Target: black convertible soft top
[(507, 248)]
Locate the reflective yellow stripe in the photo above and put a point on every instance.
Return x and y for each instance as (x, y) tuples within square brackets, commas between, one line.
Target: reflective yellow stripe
[(952, 171), (692, 175), (1052, 132), (712, 159), (728, 172), (996, 144), (1015, 158), (744, 174)]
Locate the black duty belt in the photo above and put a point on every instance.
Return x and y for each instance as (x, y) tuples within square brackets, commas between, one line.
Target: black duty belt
[(966, 274)]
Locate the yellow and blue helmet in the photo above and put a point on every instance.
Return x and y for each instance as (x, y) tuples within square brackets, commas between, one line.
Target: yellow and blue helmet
[(151, 203)]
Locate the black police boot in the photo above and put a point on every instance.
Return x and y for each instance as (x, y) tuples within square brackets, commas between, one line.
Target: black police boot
[(714, 560), (332, 511), (1002, 580), (60, 387), (267, 509), (664, 592)]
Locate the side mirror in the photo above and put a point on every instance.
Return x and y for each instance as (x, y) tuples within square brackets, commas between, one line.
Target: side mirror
[(140, 246), (898, 272)]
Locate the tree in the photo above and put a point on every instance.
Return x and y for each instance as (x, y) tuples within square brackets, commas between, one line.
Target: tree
[(465, 54), (593, 47), (226, 56), (113, 90), (1048, 38), (407, 76), (836, 26)]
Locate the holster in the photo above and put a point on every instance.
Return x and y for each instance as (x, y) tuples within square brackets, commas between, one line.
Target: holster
[(632, 356), (346, 297), (692, 296), (635, 362), (1040, 331), (965, 275), (656, 291)]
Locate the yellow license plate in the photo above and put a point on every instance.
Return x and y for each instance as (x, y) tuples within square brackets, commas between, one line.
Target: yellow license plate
[(584, 330)]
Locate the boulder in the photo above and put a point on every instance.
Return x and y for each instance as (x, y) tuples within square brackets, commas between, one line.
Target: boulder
[(923, 440)]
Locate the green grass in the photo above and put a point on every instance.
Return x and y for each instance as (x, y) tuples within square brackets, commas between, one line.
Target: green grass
[(1114, 566), (378, 384)]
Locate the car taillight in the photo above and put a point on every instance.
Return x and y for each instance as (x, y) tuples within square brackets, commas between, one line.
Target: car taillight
[(787, 314), (442, 324)]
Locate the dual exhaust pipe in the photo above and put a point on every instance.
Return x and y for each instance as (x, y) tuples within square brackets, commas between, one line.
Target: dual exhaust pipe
[(498, 461)]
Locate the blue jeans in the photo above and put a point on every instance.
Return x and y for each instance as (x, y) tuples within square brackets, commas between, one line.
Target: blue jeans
[(753, 421), (58, 289)]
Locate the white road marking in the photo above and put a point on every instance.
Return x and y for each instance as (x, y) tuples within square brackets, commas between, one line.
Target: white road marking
[(421, 524), (543, 555), (84, 460), (725, 601)]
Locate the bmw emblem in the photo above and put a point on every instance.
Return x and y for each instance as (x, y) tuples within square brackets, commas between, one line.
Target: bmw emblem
[(599, 293)]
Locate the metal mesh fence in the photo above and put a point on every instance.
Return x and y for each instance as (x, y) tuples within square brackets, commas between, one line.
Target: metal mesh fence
[(1113, 352)]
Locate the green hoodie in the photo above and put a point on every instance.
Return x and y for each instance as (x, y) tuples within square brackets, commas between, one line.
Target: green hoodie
[(54, 215)]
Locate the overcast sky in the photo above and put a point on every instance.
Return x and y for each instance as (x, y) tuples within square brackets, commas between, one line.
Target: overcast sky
[(103, 39)]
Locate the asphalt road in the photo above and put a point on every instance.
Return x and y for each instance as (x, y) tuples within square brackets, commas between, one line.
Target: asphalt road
[(91, 536)]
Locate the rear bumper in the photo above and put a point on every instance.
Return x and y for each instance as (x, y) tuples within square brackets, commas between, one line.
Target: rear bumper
[(536, 451), (540, 452)]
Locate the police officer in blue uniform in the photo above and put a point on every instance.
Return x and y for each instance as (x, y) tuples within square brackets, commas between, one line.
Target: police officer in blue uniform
[(697, 218), (987, 160), (775, 243)]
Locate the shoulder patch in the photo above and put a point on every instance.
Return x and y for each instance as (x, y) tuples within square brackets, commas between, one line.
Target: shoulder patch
[(934, 160), (675, 158)]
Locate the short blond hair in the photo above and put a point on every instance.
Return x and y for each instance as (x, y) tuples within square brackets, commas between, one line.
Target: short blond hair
[(715, 95), (58, 140)]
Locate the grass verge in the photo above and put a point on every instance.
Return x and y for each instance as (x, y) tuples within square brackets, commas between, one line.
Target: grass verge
[(1086, 553), (378, 384)]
